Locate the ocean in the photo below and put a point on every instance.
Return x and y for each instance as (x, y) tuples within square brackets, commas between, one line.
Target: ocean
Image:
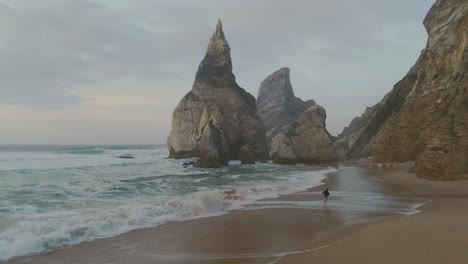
[(52, 196)]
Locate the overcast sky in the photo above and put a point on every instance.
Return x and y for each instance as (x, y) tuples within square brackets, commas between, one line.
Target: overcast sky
[(111, 72)]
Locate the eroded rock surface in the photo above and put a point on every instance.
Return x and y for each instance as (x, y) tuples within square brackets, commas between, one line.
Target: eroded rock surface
[(216, 111), (214, 151), (277, 105), (425, 117), (246, 156), (306, 140)]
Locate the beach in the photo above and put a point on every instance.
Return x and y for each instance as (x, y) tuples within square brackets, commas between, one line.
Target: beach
[(298, 234), (435, 235), (58, 196), (336, 134)]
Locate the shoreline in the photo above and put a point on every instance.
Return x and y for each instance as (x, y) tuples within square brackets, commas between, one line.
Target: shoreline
[(436, 234), (239, 236)]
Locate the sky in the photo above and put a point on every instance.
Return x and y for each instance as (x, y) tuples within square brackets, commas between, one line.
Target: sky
[(112, 71)]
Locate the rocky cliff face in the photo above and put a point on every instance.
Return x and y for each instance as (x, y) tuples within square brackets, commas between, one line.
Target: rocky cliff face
[(217, 117), (357, 137), (305, 140), (277, 105), (425, 117), (349, 135)]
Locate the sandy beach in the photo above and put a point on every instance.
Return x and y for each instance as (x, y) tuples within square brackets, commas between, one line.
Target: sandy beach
[(438, 234), (303, 232)]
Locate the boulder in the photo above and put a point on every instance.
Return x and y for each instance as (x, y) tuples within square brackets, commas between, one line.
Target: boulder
[(213, 148), (306, 140), (282, 151)]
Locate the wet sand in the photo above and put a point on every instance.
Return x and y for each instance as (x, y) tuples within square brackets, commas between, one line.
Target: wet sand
[(290, 224), (436, 235)]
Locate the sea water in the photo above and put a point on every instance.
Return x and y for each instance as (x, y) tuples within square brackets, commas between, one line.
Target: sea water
[(51, 196)]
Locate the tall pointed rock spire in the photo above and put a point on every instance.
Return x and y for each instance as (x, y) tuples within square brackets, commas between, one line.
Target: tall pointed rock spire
[(219, 30), (216, 67), (217, 118), (277, 105)]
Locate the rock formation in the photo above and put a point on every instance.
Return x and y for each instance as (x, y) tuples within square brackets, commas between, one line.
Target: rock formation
[(305, 140), (277, 105), (425, 117), (213, 147), (246, 156), (351, 134), (217, 117), (295, 130)]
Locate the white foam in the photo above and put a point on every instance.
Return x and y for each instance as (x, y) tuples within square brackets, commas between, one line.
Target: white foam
[(42, 231), (352, 201)]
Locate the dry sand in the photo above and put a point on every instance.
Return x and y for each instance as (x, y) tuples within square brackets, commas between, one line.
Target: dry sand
[(325, 235)]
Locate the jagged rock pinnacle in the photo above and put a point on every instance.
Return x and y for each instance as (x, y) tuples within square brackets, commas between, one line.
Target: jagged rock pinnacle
[(276, 103), (217, 118), (216, 67), (277, 82), (219, 30)]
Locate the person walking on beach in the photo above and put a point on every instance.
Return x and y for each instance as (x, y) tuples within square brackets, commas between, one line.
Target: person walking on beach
[(325, 195)]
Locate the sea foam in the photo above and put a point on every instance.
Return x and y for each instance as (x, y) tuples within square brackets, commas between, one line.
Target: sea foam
[(50, 198)]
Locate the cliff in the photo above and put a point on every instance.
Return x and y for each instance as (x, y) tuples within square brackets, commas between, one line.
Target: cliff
[(425, 117)]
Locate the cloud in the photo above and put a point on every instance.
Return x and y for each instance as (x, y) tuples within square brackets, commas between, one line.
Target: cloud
[(67, 53), (51, 50)]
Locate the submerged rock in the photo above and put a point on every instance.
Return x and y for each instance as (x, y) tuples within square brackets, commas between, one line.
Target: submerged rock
[(218, 100), (189, 163), (125, 157)]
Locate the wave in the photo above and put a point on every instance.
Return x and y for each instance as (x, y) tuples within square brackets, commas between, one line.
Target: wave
[(46, 231), (86, 151), (75, 157), (61, 148)]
